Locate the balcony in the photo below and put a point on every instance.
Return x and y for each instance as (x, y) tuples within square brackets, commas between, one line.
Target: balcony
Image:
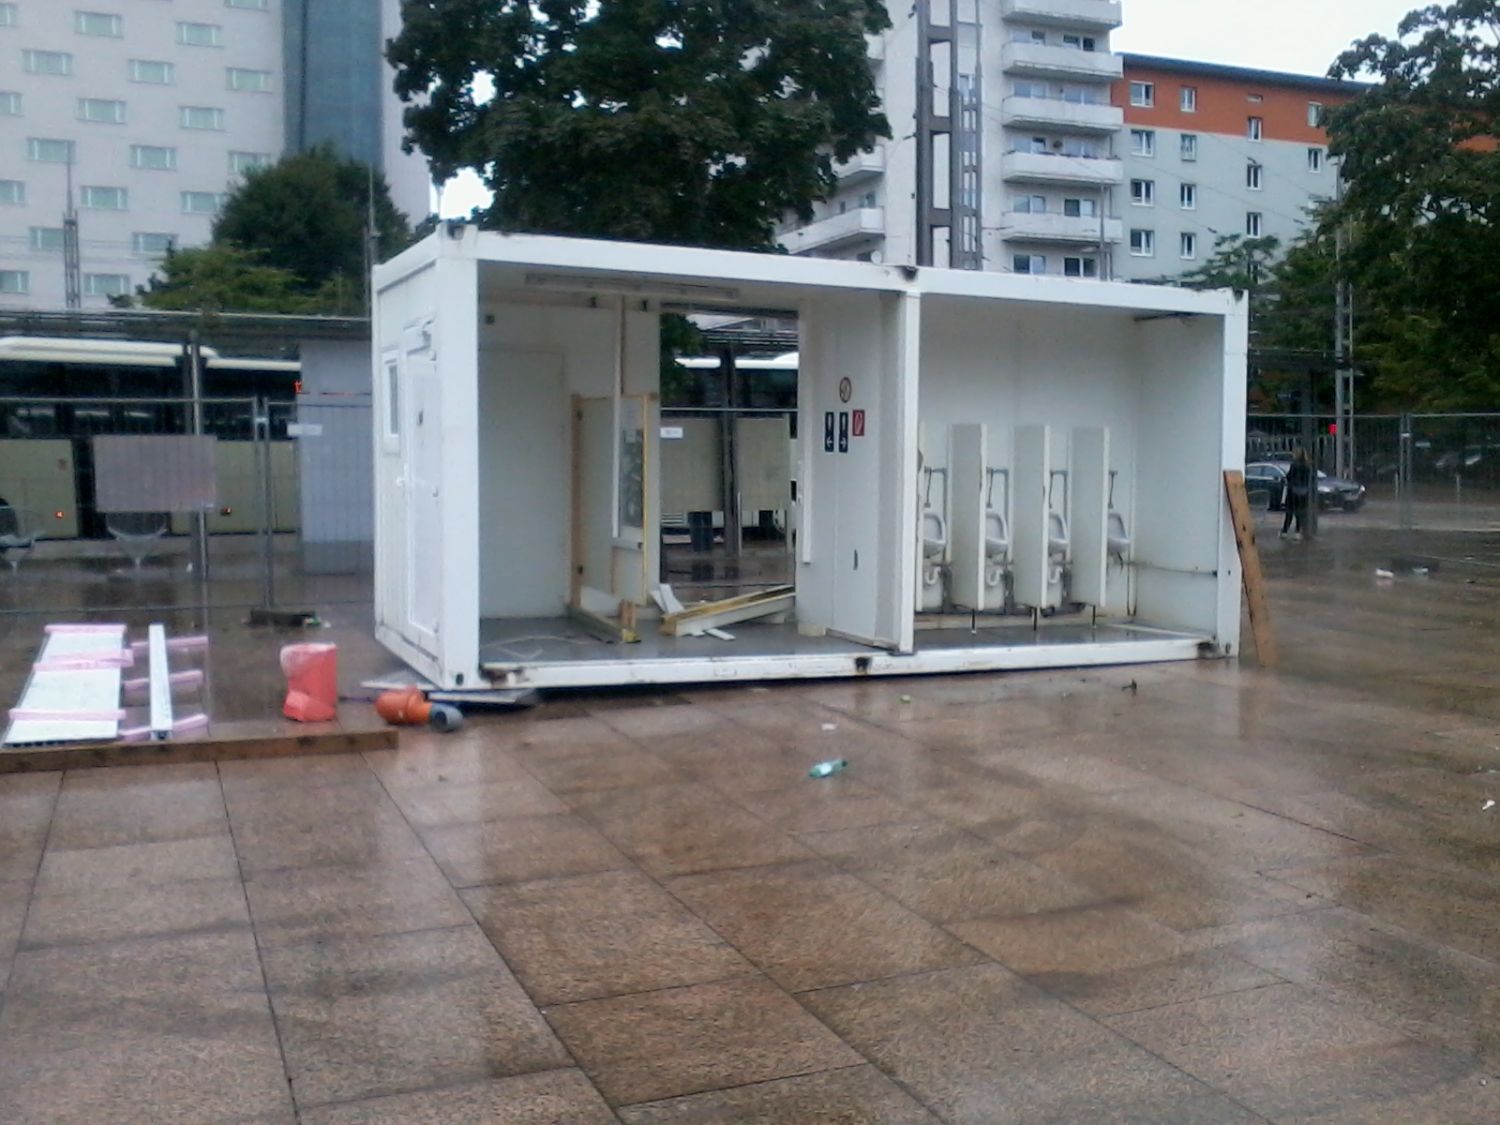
[(1038, 60), (836, 231), (1054, 113), (860, 167), (1081, 15), (1032, 227), (1046, 168)]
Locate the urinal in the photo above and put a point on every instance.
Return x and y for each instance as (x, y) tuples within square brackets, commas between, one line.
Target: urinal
[(996, 537), (1119, 537), (1057, 536), (934, 535)]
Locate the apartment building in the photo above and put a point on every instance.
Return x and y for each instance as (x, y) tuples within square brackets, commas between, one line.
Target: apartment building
[(1213, 151), (151, 112)]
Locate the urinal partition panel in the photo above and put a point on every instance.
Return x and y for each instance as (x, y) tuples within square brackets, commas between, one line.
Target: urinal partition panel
[(1032, 468), (966, 531), (1090, 524)]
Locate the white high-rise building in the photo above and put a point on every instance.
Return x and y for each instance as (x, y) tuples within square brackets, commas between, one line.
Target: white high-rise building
[(154, 110)]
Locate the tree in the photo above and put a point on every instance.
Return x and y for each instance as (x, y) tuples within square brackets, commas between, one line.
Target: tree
[(1421, 157), (224, 278), (698, 122), (1239, 263)]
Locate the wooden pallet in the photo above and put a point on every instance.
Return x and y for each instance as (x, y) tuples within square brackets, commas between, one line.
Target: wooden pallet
[(1254, 579)]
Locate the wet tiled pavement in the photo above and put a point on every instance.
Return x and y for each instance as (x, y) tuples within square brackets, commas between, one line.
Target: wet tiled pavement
[(1180, 894)]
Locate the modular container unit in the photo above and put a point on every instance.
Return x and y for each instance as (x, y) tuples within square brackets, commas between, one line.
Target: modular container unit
[(993, 471)]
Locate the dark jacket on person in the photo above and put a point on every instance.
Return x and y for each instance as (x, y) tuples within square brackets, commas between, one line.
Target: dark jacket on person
[(1299, 480)]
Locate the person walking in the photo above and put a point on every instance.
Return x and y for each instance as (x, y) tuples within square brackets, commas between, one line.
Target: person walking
[(1299, 488)]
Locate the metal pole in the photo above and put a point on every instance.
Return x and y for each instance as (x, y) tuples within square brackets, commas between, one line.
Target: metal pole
[(1310, 448), (195, 384), (267, 502), (733, 532)]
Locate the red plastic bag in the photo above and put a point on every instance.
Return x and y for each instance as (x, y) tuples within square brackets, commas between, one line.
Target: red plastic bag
[(312, 680)]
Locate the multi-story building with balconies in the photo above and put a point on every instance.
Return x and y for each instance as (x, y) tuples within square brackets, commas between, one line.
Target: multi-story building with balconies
[(153, 111)]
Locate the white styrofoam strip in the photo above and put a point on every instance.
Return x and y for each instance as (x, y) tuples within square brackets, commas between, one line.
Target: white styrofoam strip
[(161, 685)]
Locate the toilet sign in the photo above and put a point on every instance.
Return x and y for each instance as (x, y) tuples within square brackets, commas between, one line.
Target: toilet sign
[(828, 432), (858, 423), (843, 431)]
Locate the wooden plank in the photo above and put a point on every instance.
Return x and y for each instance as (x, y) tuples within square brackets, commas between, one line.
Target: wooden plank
[(727, 613), (709, 609), (603, 627), (1255, 582), (33, 759), (575, 548)]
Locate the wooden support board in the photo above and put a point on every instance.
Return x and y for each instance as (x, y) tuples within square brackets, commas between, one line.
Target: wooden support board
[(1255, 583), (747, 607)]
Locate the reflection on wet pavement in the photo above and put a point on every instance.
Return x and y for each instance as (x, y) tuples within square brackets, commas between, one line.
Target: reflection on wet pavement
[(1227, 895)]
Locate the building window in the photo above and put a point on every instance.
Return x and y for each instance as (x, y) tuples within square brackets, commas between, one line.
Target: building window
[(1189, 99), (1255, 98), (8, 15), (1255, 128), (103, 198), (1315, 114), (867, 200), (1254, 224), (255, 81), (258, 5), (1081, 208), (10, 103), (1028, 263), (47, 62), (47, 239), (1189, 146), (1255, 176), (199, 202), (1080, 267), (1143, 142), (150, 243), (1079, 42), (149, 70), (1143, 193), (1188, 247), (47, 150), (1143, 94), (1031, 204), (156, 158), (15, 281), (1143, 243), (105, 284), (1314, 160), (101, 111), (98, 23), (12, 191), (200, 35), (242, 162), (201, 117)]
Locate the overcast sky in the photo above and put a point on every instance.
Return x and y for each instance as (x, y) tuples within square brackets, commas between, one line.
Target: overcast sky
[(1300, 36)]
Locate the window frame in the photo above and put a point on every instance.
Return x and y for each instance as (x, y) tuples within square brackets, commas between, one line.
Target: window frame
[(169, 166), (14, 193), (1187, 99), (32, 54), (33, 142), (91, 280), (182, 198), (137, 235), (1255, 129), (84, 197), (1187, 196), (1317, 159), (1255, 224), (1255, 176), (118, 103), (216, 34), (184, 112), (1084, 262), (1187, 246), (1147, 139), (21, 289), (1031, 263), (1142, 94), (1146, 242), (114, 21), (1143, 193), (170, 71)]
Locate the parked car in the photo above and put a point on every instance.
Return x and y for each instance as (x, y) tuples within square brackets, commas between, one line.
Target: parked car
[(1267, 480)]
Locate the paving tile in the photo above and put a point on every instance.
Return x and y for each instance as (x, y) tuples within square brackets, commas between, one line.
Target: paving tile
[(14, 897), (138, 805), (808, 925), (468, 757), (946, 875), (521, 848), (298, 772), (599, 935), (979, 1045), (660, 717), (327, 903), (153, 1031), (1284, 1051), (655, 1045), (319, 827), (363, 1017), (542, 739), (555, 1097), (67, 871), (474, 802), (26, 804), (857, 1095), (610, 768), (203, 905), (831, 803), (1471, 1101), (680, 829)]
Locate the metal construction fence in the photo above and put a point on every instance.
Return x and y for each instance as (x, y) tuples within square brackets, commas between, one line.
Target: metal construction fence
[(291, 523)]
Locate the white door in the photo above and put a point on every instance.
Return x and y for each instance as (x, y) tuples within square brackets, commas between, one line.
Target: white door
[(424, 555)]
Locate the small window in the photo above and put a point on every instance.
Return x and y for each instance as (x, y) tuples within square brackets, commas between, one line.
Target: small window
[(152, 71), (1255, 176), (1028, 263), (1189, 246), (1187, 195), (201, 117), (1256, 128), (1143, 243), (151, 243), (1256, 98), (258, 5), (1038, 145), (1189, 99), (98, 23), (255, 81), (1143, 193), (1080, 42), (47, 150), (242, 162), (105, 284), (47, 239), (392, 399), (155, 158), (1081, 208), (12, 192), (1080, 267), (102, 198), (101, 111), (200, 35), (10, 103), (199, 202), (1189, 146), (1254, 224), (1143, 142), (47, 62), (8, 16), (15, 281), (1315, 114), (867, 200), (1143, 94), (1031, 204), (1314, 160)]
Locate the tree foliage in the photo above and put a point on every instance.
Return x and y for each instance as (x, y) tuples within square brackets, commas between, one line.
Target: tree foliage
[(1421, 158), (698, 122), (221, 277)]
